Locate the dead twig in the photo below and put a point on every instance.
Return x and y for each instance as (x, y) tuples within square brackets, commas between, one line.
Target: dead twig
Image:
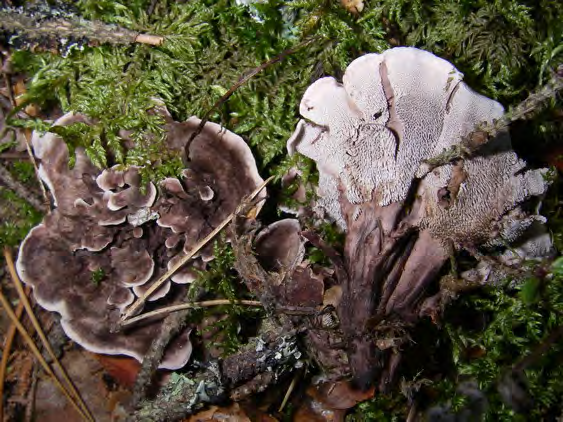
[(171, 326), (136, 306), (10, 335), (539, 351), (191, 305), (36, 31), (27, 137), (482, 134), (289, 390), (20, 190), (243, 79), (14, 156), (76, 398)]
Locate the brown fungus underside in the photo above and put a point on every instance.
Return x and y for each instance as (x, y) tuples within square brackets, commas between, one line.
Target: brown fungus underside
[(107, 240), (370, 137)]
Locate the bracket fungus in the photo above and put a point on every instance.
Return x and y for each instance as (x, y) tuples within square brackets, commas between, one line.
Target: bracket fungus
[(371, 137), (108, 240)]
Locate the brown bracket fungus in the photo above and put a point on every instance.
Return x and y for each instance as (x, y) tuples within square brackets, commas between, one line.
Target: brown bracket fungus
[(371, 137), (108, 240)]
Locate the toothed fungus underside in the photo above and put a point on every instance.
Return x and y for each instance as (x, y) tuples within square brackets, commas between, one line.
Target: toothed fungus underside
[(370, 137), (107, 240)]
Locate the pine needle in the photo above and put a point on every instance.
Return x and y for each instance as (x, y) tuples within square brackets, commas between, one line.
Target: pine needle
[(6, 356), (191, 305), (289, 391), (43, 337), (141, 301), (23, 332)]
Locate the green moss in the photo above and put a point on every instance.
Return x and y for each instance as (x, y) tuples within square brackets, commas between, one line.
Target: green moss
[(506, 48), (18, 217), (24, 171), (97, 276), (220, 281), (516, 322)]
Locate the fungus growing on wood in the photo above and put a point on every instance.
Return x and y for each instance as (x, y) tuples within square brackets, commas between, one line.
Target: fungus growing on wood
[(371, 137), (109, 238), (280, 249)]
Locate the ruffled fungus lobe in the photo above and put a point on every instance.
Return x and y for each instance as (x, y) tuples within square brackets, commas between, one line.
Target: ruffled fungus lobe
[(370, 137), (108, 240)]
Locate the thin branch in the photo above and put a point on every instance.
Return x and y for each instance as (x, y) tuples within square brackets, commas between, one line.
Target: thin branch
[(289, 391), (37, 31), (23, 299), (243, 79), (171, 326), (27, 137), (136, 306), (484, 132), (19, 189), (191, 305), (539, 351), (14, 156), (46, 201)]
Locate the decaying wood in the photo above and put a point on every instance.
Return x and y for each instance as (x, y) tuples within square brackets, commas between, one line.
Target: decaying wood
[(171, 326), (262, 363), (44, 28)]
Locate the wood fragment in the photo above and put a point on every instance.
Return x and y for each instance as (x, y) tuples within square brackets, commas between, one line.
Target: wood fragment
[(190, 305), (171, 326)]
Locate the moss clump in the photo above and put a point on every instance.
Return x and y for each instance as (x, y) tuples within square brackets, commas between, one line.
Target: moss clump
[(18, 218)]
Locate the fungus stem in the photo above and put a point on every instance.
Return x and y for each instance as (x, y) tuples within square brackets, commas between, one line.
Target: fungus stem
[(132, 310), (76, 398), (203, 304)]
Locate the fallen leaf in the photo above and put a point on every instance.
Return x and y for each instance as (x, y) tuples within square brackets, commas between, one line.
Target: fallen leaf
[(232, 413), (353, 6), (123, 369), (339, 395)]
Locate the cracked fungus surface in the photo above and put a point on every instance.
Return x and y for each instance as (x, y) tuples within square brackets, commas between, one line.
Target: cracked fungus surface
[(107, 241), (371, 134)]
